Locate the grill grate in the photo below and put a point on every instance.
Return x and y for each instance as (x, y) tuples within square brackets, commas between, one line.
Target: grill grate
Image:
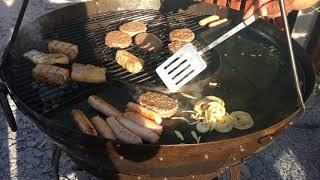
[(89, 34)]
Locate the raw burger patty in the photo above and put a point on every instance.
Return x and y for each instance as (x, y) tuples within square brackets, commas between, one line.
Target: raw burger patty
[(148, 41), (117, 39), (133, 28), (175, 46), (184, 35), (159, 103)]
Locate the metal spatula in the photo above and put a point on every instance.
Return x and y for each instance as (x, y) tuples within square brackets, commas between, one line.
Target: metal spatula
[(187, 63)]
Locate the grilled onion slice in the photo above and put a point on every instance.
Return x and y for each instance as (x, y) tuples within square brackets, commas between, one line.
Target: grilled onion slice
[(242, 120)]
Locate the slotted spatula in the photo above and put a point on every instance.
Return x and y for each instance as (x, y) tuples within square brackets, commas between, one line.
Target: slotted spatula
[(187, 63)]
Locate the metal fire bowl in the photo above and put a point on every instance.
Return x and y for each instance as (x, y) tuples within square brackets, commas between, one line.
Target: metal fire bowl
[(252, 70)]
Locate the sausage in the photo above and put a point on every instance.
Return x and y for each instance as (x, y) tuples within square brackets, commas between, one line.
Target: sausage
[(208, 19), (68, 49), (51, 74), (38, 57), (102, 106), (137, 118), (145, 133), (102, 127), (216, 23), (88, 73), (123, 133), (83, 122), (133, 107)]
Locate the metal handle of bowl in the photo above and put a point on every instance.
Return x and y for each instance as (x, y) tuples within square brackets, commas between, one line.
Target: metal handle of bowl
[(6, 108), (16, 27), (292, 57)]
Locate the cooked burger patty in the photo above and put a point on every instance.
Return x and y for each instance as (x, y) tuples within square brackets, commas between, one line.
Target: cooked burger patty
[(175, 46), (117, 39), (185, 35), (129, 61), (160, 103), (148, 41), (133, 28)]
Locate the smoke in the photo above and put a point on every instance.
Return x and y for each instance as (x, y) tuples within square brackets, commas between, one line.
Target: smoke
[(29, 37)]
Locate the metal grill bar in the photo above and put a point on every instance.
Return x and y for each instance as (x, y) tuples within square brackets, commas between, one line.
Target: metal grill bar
[(89, 33)]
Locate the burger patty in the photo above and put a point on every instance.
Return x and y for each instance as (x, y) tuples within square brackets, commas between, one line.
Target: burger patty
[(148, 41), (175, 46), (117, 39), (160, 103), (133, 28), (184, 35)]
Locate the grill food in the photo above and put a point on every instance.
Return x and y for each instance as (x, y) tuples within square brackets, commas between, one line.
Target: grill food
[(242, 120), (123, 133), (143, 132), (129, 61), (137, 118), (117, 39), (162, 104), (208, 19), (83, 122), (217, 23), (238, 83), (102, 106), (88, 73), (38, 57), (148, 41), (102, 127), (175, 46), (133, 28), (147, 113), (68, 49), (185, 35), (51, 74)]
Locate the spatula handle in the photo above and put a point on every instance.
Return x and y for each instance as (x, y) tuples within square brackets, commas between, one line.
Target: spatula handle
[(230, 33)]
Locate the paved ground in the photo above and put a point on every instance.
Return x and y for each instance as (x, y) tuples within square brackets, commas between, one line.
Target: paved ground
[(27, 154)]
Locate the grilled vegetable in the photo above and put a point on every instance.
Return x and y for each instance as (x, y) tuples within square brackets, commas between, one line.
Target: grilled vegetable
[(202, 128), (242, 120), (102, 106), (88, 73), (224, 124), (38, 57), (83, 122), (68, 49), (137, 118), (133, 107), (123, 133), (102, 127), (129, 61), (145, 133), (51, 74), (179, 135)]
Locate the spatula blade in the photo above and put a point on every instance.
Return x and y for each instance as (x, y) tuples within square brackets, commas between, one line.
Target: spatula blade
[(181, 67)]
